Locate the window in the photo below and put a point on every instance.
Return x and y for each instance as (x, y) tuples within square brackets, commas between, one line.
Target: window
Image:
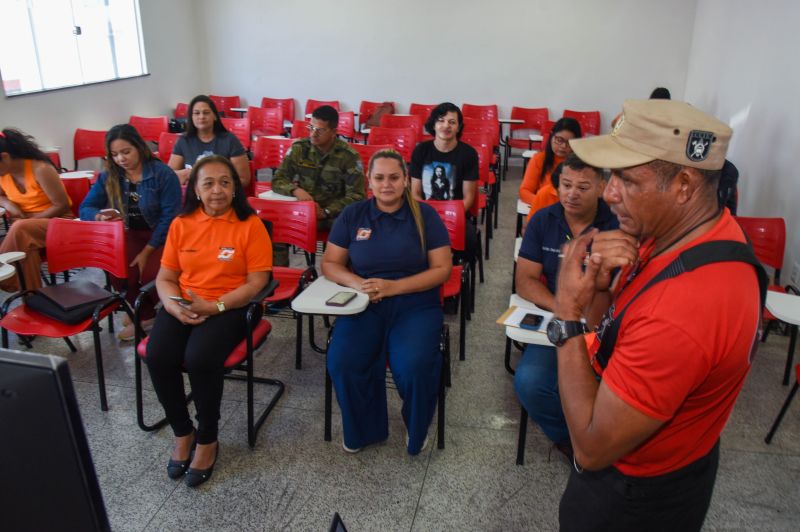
[(51, 44)]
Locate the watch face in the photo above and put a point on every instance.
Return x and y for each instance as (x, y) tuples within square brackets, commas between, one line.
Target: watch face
[(554, 331)]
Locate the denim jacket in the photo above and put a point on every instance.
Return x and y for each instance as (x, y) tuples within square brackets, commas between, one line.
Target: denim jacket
[(159, 198)]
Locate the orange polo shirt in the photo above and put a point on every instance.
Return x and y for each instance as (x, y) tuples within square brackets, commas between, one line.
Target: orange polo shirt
[(546, 196), (215, 254)]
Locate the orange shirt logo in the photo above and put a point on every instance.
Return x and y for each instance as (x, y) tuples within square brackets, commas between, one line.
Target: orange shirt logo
[(226, 254)]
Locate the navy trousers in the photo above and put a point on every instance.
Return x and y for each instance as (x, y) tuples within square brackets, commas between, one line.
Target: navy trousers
[(536, 382), (407, 328)]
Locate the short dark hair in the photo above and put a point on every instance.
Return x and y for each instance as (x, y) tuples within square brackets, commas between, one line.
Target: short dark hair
[(441, 110), (573, 162), (660, 93), (327, 114), (191, 131), (666, 170), (240, 205)]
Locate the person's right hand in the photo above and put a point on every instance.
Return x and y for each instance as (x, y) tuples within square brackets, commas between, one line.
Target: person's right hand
[(182, 313), (107, 215), (617, 249), (302, 195)]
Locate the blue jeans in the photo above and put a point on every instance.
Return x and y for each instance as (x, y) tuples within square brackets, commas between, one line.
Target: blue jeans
[(536, 382)]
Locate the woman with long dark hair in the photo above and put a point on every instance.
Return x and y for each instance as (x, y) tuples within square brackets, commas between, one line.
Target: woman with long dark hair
[(206, 135), (142, 191), (31, 192)]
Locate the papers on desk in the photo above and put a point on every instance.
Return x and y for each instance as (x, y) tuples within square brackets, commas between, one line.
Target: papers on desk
[(514, 315), (270, 195)]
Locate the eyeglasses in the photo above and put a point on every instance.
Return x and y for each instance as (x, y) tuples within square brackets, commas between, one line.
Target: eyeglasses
[(561, 141), (314, 129)]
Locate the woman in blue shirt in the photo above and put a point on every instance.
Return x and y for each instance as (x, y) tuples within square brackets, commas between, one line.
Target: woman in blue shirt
[(143, 192), (398, 253)]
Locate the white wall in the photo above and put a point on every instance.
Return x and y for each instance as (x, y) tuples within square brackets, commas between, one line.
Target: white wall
[(581, 54), (743, 69), (176, 72)]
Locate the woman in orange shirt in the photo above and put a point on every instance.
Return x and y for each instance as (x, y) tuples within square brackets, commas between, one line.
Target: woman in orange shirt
[(217, 256), (537, 175), (31, 192)]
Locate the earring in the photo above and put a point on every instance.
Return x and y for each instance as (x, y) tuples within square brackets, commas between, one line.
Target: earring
[(234, 194), (198, 196)]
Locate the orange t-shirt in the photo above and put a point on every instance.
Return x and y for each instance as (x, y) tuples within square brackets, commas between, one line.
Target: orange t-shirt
[(34, 199), (531, 182), (215, 254)]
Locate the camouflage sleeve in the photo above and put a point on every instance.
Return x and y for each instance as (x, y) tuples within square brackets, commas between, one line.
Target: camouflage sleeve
[(353, 185), (282, 179)]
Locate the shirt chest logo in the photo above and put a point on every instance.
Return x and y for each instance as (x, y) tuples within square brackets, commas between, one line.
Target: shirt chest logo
[(363, 233), (226, 254)]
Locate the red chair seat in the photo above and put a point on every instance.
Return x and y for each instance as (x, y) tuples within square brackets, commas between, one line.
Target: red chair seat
[(238, 354), (289, 282), (22, 320), (452, 287)]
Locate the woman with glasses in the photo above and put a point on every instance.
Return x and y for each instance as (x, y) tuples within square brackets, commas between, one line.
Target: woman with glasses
[(143, 192), (205, 135), (536, 189)]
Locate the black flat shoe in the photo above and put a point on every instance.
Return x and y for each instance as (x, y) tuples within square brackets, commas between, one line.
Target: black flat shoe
[(195, 477), (177, 468)]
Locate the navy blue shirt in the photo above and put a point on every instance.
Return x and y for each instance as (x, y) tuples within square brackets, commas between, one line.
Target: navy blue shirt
[(387, 245), (548, 230)]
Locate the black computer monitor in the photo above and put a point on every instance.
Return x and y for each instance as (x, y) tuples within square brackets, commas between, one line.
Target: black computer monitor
[(47, 478)]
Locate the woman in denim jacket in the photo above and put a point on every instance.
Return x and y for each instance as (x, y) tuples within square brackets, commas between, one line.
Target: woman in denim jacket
[(143, 192)]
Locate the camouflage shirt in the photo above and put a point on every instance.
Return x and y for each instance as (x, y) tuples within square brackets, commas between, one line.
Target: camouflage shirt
[(334, 180)]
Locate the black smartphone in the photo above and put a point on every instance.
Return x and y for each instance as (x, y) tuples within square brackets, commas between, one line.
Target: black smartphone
[(340, 299), (532, 322), (181, 300)]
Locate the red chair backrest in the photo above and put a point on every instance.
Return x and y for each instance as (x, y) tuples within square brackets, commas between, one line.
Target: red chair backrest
[(78, 244), (265, 120), (76, 188), (366, 151), (421, 109), (482, 145), (87, 143), (150, 128), (300, 129), (768, 236), (224, 104), (293, 222), (165, 144), (413, 121), (367, 109), (403, 139), (534, 118), (347, 124), (239, 127), (589, 120), (547, 131), (452, 214), (182, 110), (490, 127), (313, 104), (287, 104), (481, 112), (269, 152)]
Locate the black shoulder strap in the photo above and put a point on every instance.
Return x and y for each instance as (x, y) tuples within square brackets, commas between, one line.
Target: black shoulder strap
[(691, 259)]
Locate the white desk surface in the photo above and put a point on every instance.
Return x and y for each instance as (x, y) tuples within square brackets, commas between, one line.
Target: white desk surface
[(2, 211), (312, 299), (517, 245), (287, 124), (524, 335), (7, 271), (536, 137), (511, 120), (51, 149), (522, 207), (785, 307), (77, 175), (527, 154), (239, 109), (270, 195)]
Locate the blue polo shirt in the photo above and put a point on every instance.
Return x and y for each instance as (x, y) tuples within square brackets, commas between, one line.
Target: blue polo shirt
[(548, 231), (386, 245)]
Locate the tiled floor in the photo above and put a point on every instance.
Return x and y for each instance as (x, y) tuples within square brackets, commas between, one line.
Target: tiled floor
[(293, 480)]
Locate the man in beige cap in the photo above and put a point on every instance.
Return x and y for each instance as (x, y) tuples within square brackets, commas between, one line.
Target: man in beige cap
[(646, 400)]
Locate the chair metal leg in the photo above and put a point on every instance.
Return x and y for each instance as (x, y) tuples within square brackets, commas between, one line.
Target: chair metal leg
[(253, 425), (140, 403), (298, 347), (444, 378), (784, 408), (98, 358), (790, 355), (508, 357), (69, 344), (462, 329), (523, 432), (328, 405)]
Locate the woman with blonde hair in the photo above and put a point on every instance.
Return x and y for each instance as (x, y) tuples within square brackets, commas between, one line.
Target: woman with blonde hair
[(397, 251)]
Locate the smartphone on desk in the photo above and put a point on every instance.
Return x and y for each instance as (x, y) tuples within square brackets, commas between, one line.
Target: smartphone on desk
[(340, 299), (181, 300), (531, 322)]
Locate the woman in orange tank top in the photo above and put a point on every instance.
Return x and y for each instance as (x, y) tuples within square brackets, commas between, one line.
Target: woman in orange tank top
[(31, 193)]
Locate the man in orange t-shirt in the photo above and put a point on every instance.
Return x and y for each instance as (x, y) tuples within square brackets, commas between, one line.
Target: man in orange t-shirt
[(646, 436)]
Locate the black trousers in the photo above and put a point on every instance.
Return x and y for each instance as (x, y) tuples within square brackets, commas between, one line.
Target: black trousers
[(609, 500), (201, 350)]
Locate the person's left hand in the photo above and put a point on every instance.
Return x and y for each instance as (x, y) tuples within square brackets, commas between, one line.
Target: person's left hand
[(377, 289), (140, 261), (200, 306), (576, 285)]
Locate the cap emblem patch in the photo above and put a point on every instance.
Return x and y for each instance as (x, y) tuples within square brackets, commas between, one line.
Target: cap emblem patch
[(698, 145)]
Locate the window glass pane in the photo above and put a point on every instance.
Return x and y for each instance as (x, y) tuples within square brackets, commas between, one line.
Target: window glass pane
[(57, 50), (127, 45), (18, 67), (94, 42)]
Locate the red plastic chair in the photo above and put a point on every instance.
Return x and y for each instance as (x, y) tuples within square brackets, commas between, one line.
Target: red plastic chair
[(225, 104), (87, 143), (403, 139), (293, 223), (268, 152), (265, 121), (365, 111), (413, 121), (181, 110), (366, 151), (347, 125), (311, 105), (589, 120), (300, 129), (76, 188), (150, 128), (286, 104), (481, 112), (424, 110), (241, 128), (75, 244), (534, 121), (241, 359), (166, 142)]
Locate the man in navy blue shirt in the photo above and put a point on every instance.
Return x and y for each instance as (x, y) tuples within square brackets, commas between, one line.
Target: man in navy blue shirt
[(580, 208)]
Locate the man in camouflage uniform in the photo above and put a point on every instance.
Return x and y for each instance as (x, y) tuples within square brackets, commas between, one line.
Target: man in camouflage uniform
[(322, 169)]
